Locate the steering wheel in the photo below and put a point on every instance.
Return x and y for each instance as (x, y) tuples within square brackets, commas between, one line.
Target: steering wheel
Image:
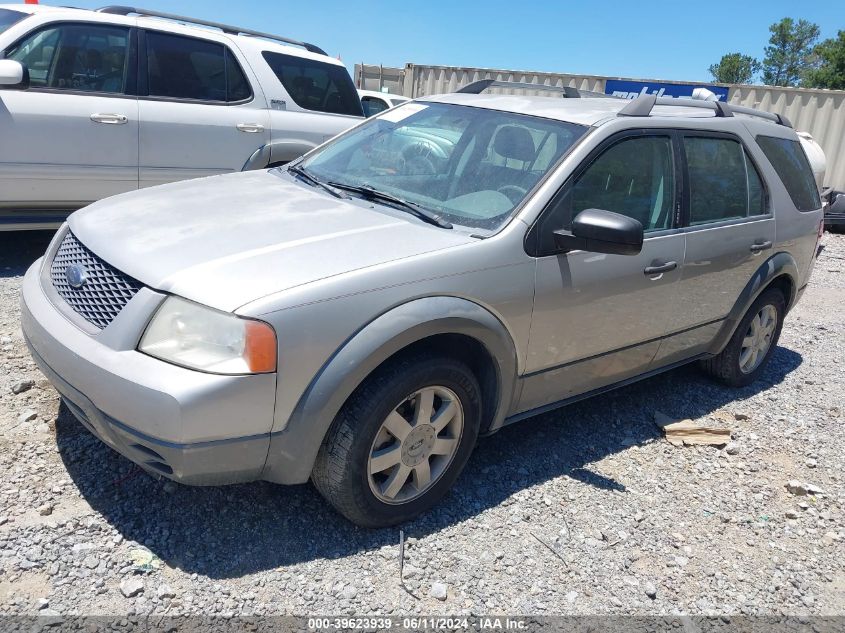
[(514, 192), (418, 160)]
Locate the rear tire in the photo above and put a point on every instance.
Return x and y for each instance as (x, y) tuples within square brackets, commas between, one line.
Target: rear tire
[(747, 354), (365, 436)]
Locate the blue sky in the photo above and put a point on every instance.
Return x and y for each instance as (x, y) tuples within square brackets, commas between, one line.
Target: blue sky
[(652, 39)]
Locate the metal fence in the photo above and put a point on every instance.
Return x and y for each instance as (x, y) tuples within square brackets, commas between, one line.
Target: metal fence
[(819, 112)]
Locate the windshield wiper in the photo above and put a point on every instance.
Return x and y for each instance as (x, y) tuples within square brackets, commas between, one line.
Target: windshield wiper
[(370, 193), (307, 177)]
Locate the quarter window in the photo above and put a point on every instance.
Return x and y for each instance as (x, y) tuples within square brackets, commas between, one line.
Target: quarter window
[(188, 68), (723, 182), (316, 85), (76, 57), (791, 164)]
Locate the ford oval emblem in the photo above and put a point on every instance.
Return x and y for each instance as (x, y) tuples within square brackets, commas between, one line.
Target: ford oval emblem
[(76, 276)]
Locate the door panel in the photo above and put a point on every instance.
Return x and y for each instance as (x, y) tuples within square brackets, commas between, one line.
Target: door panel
[(190, 140), (200, 116), (598, 318), (719, 263), (730, 232), (589, 304), (72, 137)]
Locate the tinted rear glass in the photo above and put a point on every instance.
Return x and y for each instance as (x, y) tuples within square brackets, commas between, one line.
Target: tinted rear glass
[(189, 68), (315, 85), (9, 17), (791, 164)]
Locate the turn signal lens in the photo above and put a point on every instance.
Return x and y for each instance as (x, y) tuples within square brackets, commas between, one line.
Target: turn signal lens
[(260, 347)]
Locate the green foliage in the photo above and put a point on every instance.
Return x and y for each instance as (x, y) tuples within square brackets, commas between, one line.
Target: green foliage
[(735, 68), (830, 73), (789, 55)]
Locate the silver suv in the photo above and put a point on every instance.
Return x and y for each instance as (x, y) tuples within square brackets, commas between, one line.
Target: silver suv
[(95, 103), (360, 317)]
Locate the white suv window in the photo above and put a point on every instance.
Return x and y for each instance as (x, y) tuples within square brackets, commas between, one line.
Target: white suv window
[(316, 85), (189, 68), (76, 57), (9, 17)]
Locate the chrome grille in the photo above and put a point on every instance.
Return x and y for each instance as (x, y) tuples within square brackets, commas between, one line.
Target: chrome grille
[(106, 290)]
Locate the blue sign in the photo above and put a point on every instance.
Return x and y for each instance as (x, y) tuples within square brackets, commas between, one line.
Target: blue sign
[(633, 89)]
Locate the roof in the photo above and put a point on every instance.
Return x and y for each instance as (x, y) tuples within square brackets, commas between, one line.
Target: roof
[(247, 41), (589, 111)]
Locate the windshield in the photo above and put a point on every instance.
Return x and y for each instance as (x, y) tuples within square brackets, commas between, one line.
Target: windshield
[(471, 166), (9, 17)]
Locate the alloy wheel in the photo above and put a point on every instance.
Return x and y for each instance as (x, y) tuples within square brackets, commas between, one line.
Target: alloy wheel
[(415, 445), (758, 339)]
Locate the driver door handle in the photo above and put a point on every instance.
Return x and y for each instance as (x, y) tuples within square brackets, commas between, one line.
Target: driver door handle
[(660, 268), (760, 246), (250, 128), (109, 119)]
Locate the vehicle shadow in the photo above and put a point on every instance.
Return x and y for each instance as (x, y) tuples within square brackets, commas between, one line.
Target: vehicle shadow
[(230, 531), (18, 249)]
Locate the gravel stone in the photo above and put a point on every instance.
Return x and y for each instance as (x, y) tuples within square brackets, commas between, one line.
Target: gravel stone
[(650, 590), (27, 415), (131, 587), (23, 385), (439, 591)]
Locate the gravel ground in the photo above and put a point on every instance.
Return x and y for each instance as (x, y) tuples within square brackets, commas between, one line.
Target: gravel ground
[(586, 510)]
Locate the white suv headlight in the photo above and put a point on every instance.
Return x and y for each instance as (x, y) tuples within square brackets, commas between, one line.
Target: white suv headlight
[(202, 338)]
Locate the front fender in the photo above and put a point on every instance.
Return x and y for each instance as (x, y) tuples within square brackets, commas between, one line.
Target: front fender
[(777, 265), (277, 152), (294, 449)]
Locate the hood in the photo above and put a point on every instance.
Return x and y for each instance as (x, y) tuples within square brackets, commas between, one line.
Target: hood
[(228, 240)]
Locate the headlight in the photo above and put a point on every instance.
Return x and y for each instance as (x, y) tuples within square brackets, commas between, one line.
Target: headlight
[(198, 337)]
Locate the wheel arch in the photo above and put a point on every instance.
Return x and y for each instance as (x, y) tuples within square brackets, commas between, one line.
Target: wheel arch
[(277, 152), (452, 325), (780, 271)]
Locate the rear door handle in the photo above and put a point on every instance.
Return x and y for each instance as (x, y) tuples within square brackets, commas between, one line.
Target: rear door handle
[(660, 268), (250, 128), (109, 119), (760, 246)]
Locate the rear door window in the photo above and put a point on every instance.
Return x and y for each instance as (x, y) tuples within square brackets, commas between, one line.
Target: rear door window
[(723, 182), (181, 67), (791, 164), (76, 57), (316, 85)]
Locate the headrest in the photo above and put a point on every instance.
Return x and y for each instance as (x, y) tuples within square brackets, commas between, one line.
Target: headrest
[(514, 142)]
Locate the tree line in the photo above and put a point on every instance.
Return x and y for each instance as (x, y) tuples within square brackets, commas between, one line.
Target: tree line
[(794, 57)]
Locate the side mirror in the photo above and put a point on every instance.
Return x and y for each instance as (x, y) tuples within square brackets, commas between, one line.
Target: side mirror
[(13, 74), (600, 231), (837, 203)]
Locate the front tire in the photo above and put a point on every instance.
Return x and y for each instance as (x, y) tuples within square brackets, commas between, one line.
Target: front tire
[(748, 352), (400, 441)]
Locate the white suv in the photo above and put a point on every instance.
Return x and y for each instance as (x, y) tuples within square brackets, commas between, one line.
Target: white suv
[(95, 103)]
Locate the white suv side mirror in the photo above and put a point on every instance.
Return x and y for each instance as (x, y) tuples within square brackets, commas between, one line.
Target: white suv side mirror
[(13, 73)]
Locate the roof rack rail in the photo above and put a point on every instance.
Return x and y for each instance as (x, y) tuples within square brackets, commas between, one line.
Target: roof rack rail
[(480, 86), (226, 28), (642, 106)]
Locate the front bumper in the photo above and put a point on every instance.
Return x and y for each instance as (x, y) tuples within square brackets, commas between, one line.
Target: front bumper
[(195, 428)]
